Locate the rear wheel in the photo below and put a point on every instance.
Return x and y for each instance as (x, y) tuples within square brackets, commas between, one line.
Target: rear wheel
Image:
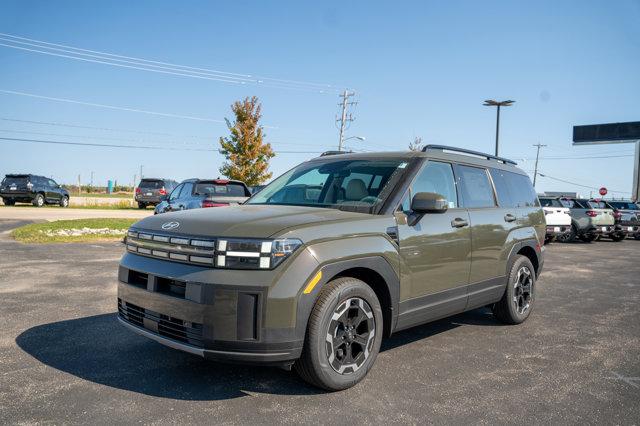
[(9, 202), (343, 335), (588, 238), (142, 206), (517, 301), (64, 202), (38, 201), (618, 236)]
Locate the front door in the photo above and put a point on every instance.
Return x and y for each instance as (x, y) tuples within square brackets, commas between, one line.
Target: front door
[(490, 227), (435, 252)]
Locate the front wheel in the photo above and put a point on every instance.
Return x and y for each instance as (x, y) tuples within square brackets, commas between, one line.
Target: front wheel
[(9, 202), (517, 301), (588, 238), (64, 202), (343, 335)]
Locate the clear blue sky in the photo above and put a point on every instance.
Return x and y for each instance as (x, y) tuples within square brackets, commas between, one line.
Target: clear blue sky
[(419, 69)]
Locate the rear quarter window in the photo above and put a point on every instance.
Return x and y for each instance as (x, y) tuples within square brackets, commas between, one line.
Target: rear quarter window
[(514, 190)]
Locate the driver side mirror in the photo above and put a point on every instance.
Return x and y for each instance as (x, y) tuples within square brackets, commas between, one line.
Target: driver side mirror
[(426, 202)]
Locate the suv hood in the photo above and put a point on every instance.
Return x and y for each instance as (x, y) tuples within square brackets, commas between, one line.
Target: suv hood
[(243, 221)]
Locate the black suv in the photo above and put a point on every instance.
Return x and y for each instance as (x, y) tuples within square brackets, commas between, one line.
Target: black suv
[(153, 191), (37, 190)]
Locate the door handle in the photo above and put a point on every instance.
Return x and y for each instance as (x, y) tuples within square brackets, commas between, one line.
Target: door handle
[(509, 217), (459, 223)]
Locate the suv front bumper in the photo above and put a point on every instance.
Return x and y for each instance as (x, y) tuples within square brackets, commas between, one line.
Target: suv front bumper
[(202, 311)]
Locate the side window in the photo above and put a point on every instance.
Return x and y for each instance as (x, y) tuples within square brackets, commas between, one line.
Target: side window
[(476, 188), (405, 206), (175, 194), (437, 177), (51, 183), (502, 188), (187, 190), (521, 190)]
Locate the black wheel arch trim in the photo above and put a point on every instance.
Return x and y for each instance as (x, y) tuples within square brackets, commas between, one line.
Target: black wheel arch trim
[(330, 270), (535, 246)]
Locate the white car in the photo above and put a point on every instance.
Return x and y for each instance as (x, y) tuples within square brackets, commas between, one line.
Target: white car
[(557, 216)]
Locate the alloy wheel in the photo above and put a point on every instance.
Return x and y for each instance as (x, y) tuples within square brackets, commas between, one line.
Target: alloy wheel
[(523, 290), (350, 335)]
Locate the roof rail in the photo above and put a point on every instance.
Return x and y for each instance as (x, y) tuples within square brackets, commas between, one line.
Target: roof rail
[(324, 154), (468, 151)]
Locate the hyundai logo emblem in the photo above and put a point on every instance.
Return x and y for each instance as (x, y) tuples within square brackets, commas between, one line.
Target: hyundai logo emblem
[(170, 225)]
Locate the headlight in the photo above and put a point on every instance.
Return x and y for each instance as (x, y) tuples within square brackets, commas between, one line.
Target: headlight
[(253, 254)]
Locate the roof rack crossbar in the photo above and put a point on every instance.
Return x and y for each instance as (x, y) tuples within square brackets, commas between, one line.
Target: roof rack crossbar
[(324, 154), (468, 151)]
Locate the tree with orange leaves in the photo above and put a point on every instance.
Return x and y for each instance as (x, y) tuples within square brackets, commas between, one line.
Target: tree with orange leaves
[(245, 151)]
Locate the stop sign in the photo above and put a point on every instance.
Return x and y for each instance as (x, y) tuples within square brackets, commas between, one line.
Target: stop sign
[(603, 191)]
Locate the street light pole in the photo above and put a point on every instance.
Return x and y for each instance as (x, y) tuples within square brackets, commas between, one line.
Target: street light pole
[(491, 102)]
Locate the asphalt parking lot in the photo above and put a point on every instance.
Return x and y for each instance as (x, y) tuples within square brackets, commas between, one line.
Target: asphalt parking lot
[(65, 359)]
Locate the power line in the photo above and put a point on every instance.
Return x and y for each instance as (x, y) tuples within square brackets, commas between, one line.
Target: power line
[(128, 109), (577, 184), (105, 58), (212, 140), (44, 141)]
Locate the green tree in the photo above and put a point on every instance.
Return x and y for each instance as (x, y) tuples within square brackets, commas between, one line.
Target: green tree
[(245, 151)]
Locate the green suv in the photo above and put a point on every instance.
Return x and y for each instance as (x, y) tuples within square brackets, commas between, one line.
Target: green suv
[(337, 253)]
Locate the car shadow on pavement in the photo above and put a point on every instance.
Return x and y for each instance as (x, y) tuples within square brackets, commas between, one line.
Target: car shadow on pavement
[(99, 350)]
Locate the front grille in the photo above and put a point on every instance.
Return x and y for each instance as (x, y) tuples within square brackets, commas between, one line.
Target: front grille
[(163, 325), (195, 251)]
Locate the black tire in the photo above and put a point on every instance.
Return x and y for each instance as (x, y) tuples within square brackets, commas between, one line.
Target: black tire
[(142, 206), (64, 201), (9, 202), (568, 237), (618, 236), (636, 237), (549, 240), (588, 238), (517, 302), (320, 361), (38, 200)]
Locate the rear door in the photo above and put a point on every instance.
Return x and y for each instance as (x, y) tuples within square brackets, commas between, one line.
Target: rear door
[(435, 252)]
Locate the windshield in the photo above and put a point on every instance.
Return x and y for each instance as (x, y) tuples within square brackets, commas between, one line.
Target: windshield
[(572, 204), (596, 204), (15, 180), (355, 185), (151, 184), (623, 205), (221, 189), (550, 202)]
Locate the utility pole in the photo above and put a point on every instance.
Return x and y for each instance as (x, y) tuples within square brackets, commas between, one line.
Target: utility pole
[(79, 185), (535, 172), (140, 171), (344, 116), (91, 184)]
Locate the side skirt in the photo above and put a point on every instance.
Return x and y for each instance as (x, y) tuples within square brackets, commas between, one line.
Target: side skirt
[(432, 307)]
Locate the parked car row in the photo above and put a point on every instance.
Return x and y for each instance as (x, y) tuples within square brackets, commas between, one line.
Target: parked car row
[(167, 195), (570, 218)]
